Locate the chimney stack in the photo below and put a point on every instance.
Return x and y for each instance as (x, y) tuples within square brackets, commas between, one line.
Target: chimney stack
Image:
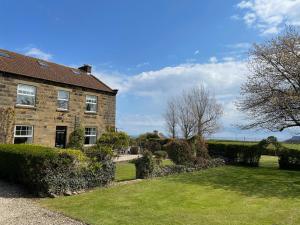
[(86, 68)]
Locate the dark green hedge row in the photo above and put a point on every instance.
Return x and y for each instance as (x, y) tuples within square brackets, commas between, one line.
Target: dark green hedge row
[(146, 167), (236, 154), (289, 159), (48, 171)]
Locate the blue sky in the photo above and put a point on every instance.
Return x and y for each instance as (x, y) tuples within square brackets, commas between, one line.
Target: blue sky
[(151, 50)]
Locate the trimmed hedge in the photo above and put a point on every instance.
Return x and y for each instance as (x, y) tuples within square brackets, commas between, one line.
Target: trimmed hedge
[(49, 171), (236, 154), (289, 159), (146, 168)]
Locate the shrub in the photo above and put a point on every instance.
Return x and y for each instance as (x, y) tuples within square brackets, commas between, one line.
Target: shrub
[(49, 171), (199, 146), (247, 155), (153, 145), (289, 159), (114, 140), (134, 150), (161, 154), (179, 152), (76, 140), (144, 165), (99, 153)]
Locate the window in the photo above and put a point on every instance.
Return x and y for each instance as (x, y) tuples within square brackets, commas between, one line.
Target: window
[(90, 136), (42, 63), (23, 134), (63, 100), (91, 103), (26, 95)]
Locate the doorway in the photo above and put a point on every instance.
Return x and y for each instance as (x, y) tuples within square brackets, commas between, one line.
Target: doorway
[(60, 137)]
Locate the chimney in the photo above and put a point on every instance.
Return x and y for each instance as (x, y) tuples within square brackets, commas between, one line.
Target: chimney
[(86, 68)]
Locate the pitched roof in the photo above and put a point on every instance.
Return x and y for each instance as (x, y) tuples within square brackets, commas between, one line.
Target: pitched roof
[(12, 62)]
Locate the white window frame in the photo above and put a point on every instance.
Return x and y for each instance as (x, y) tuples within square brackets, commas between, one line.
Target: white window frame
[(26, 94), (22, 136), (90, 135), (61, 99), (88, 101)]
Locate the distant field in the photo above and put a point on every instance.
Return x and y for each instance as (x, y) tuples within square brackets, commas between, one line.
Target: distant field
[(291, 146)]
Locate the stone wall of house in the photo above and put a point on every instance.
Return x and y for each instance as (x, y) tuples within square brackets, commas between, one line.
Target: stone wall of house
[(45, 116)]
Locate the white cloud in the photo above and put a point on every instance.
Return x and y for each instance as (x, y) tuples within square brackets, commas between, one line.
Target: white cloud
[(35, 52), (213, 59), (269, 16), (153, 88), (196, 52)]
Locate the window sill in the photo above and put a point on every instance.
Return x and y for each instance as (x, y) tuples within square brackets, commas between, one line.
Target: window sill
[(88, 112), (25, 106), (62, 110)]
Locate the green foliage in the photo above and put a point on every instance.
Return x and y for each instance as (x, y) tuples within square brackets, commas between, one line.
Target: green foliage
[(114, 140), (144, 166), (134, 150), (76, 140), (199, 146), (48, 171), (179, 152), (289, 159), (161, 154), (247, 155), (99, 152)]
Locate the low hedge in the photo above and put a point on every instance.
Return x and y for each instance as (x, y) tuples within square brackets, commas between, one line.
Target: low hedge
[(48, 171), (247, 155), (289, 159), (146, 167)]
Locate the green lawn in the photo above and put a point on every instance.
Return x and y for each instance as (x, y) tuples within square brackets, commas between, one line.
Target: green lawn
[(226, 196), (126, 170)]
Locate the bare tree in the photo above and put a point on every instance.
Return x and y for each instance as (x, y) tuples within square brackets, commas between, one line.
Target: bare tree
[(186, 120), (271, 95), (171, 117), (206, 111)]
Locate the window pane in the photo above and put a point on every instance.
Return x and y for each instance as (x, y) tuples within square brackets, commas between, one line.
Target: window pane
[(25, 100), (26, 89), (23, 131), (23, 140), (63, 95), (91, 99), (62, 104), (87, 140), (91, 107)]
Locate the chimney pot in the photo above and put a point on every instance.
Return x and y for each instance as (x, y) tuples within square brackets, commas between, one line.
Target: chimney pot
[(86, 68)]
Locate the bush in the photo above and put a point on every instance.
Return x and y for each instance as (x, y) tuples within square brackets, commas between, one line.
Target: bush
[(134, 150), (247, 155), (289, 159), (48, 171), (76, 140), (144, 165), (199, 147), (179, 152), (99, 153), (161, 154), (114, 140)]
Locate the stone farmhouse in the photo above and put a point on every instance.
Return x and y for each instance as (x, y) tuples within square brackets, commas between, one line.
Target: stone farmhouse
[(43, 102)]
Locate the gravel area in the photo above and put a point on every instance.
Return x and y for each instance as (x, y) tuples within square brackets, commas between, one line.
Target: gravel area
[(17, 208)]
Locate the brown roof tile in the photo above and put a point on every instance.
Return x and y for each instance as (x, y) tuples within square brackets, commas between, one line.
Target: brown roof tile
[(33, 67)]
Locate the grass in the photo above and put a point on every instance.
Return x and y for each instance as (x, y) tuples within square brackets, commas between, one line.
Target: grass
[(226, 195), (126, 171)]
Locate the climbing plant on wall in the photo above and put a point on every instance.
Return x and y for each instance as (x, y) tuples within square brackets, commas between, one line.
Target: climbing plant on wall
[(7, 120)]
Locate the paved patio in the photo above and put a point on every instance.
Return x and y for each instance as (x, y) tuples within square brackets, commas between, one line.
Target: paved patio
[(124, 158)]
